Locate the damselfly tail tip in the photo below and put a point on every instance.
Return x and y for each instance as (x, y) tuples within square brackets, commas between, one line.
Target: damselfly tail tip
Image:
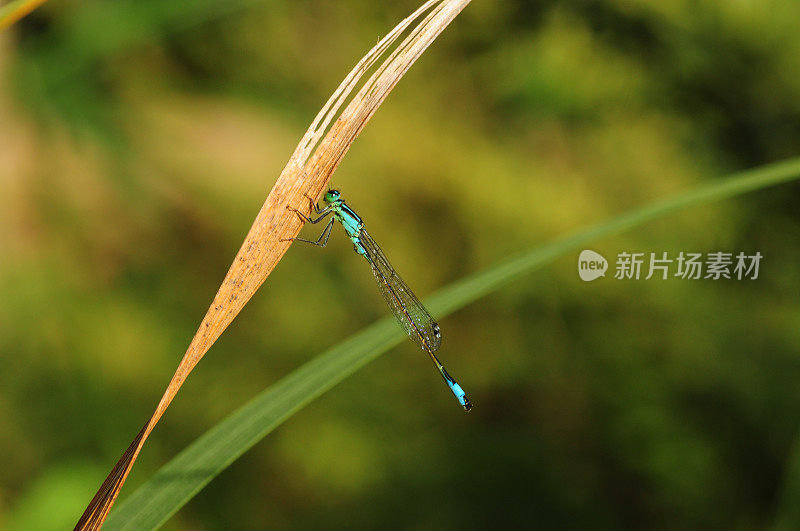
[(466, 404), (461, 396)]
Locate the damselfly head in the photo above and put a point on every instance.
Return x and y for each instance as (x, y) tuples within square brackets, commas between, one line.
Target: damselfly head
[(332, 196)]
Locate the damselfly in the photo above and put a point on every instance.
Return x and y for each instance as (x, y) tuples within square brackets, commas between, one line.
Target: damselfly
[(405, 306)]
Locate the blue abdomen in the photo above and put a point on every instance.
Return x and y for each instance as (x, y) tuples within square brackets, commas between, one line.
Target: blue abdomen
[(358, 246)]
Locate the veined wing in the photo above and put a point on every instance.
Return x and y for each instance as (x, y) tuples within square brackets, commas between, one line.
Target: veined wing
[(405, 306)]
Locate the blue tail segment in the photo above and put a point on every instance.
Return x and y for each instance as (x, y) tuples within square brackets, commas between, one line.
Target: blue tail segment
[(461, 396)]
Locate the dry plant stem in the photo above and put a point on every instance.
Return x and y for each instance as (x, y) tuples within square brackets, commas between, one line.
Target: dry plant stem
[(13, 11), (304, 176)]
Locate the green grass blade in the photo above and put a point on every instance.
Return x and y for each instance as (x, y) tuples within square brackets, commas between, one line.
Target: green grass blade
[(462, 292), (179, 480)]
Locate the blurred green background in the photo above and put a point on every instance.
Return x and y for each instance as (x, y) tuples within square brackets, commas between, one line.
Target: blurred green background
[(138, 139)]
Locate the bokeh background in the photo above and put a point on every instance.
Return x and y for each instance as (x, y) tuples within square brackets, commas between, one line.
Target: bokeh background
[(138, 139)]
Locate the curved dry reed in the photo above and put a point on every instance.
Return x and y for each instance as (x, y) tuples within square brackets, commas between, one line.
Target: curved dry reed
[(306, 175), (13, 11)]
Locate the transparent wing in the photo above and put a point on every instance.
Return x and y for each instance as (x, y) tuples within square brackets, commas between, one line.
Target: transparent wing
[(405, 306)]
